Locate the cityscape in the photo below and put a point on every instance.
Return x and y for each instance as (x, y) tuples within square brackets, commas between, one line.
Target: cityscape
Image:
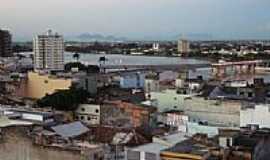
[(145, 80)]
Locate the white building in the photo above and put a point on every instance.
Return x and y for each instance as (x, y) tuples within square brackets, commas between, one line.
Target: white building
[(88, 113), (155, 46), (257, 115), (48, 52), (31, 116), (175, 119)]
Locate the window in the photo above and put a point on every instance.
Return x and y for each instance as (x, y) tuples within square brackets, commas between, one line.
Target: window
[(250, 94), (82, 109), (97, 110), (88, 118), (86, 84), (228, 142), (82, 117)]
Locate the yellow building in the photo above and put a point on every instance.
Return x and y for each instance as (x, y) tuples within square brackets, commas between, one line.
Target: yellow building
[(38, 85)]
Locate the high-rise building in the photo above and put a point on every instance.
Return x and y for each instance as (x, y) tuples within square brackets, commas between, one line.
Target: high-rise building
[(183, 46), (5, 43), (49, 52)]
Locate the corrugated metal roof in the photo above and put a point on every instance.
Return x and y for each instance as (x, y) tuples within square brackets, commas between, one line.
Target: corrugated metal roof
[(70, 130)]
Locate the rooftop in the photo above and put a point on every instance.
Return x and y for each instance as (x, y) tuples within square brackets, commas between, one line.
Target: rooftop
[(70, 130)]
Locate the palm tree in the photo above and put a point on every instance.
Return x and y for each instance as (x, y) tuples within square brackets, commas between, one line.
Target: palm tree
[(103, 60), (76, 56)]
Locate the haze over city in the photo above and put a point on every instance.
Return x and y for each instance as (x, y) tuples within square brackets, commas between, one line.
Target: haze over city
[(139, 19)]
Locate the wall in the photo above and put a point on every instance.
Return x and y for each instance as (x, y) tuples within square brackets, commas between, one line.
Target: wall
[(258, 115), (88, 113), (132, 81), (139, 115), (89, 83), (151, 85), (37, 86), (199, 109)]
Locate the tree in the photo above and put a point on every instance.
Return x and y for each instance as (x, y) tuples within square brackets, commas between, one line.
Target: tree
[(64, 100), (76, 56), (102, 61)]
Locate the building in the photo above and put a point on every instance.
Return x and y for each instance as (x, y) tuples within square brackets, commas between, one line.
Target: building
[(195, 148), (255, 115), (199, 108), (139, 115), (248, 143), (175, 119), (155, 46), (37, 85), (151, 84), (88, 113), (87, 82), (183, 46), (48, 52), (5, 43), (151, 151), (36, 117), (132, 81)]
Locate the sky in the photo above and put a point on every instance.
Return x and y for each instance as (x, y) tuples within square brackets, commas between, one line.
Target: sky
[(138, 19)]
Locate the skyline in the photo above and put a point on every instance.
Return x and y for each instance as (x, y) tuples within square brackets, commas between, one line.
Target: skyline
[(140, 19)]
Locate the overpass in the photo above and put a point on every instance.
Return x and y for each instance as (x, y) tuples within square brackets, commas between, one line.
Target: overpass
[(239, 67)]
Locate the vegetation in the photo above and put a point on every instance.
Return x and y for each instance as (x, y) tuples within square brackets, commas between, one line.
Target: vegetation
[(64, 100), (76, 56)]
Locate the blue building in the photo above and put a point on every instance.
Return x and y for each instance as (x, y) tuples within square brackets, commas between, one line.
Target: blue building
[(132, 80)]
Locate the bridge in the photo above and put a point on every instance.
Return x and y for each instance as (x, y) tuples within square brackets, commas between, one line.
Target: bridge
[(155, 68)]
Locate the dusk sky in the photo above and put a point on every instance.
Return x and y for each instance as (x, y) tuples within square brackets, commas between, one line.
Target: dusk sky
[(222, 19)]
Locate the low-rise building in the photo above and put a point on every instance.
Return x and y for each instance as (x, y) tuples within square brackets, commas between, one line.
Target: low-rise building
[(36, 117), (132, 80), (37, 85), (195, 148), (151, 83), (255, 115), (199, 108), (175, 119), (139, 114), (88, 113), (88, 82), (151, 151)]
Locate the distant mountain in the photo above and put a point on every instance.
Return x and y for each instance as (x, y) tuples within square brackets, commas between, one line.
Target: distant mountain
[(97, 37), (177, 36)]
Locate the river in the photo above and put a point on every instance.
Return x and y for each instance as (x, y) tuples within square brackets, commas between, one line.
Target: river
[(116, 59)]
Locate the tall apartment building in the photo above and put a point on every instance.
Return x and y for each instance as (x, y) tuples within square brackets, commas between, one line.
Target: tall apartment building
[(183, 46), (49, 52), (5, 43)]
